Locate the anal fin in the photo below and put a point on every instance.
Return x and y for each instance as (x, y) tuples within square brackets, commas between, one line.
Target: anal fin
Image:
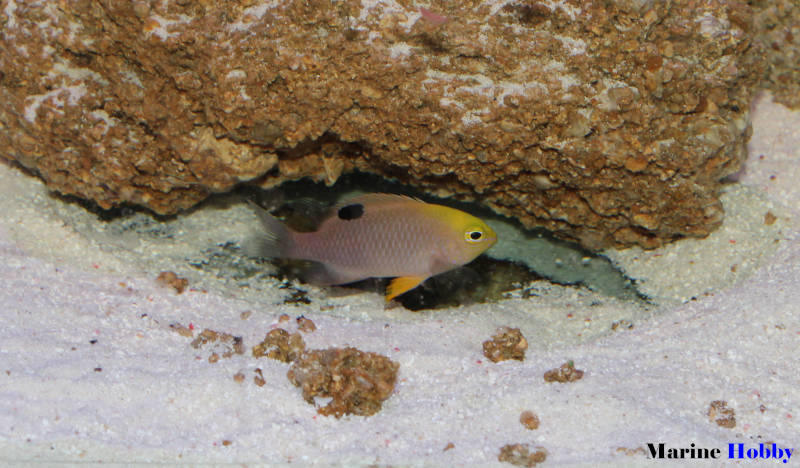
[(321, 275), (402, 284)]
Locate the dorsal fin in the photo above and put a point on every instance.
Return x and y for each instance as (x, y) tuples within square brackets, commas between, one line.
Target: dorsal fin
[(370, 199), (379, 198)]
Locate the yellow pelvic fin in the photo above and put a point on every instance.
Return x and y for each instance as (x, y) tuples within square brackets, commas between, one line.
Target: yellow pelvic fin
[(402, 284)]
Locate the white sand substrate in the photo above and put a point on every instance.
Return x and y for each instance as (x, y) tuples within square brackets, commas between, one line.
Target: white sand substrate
[(90, 370)]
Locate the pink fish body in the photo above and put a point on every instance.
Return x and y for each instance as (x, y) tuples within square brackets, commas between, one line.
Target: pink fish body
[(382, 235)]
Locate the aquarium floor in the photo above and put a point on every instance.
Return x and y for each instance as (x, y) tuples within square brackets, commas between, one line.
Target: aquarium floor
[(96, 361)]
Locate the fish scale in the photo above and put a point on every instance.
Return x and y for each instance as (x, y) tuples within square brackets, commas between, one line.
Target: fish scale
[(365, 243)]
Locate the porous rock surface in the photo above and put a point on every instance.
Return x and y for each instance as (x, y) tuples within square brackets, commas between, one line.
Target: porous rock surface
[(607, 122), (777, 25)]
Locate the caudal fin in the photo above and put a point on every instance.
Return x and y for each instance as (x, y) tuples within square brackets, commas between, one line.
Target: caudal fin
[(276, 240)]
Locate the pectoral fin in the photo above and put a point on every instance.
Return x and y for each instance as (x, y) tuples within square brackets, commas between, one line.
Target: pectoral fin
[(402, 284)]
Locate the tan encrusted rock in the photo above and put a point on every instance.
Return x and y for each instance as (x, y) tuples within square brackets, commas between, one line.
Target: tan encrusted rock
[(610, 123), (777, 26)]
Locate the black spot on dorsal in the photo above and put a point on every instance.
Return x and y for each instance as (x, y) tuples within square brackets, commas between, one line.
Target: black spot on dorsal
[(350, 212)]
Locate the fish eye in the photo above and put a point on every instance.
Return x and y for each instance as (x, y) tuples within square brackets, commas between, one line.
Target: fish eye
[(473, 236)]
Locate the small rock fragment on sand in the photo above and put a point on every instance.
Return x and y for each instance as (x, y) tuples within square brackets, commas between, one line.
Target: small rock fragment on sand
[(357, 382), (566, 373), (280, 345), (258, 379), (222, 344), (507, 343), (622, 325), (769, 218), (169, 278), (520, 455), (298, 297), (529, 420), (631, 451), (721, 414), (182, 330), (305, 324)]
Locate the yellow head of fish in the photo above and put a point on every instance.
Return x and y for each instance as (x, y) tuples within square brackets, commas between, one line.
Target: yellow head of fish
[(469, 236)]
